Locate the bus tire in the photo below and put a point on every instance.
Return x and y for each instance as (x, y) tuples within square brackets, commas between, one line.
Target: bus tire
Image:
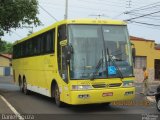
[(158, 104), (26, 91), (57, 96), (106, 104), (21, 84)]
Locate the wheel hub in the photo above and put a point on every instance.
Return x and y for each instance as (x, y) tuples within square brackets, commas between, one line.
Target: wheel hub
[(158, 104)]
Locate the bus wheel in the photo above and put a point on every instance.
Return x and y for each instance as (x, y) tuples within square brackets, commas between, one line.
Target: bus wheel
[(26, 91), (21, 85), (57, 96), (105, 104), (158, 104)]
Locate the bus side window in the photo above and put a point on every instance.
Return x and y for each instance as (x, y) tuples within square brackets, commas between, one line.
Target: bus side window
[(34, 47), (52, 33), (27, 48), (19, 50), (62, 33), (49, 42), (39, 45), (42, 46), (61, 36), (15, 51), (30, 48), (23, 50)]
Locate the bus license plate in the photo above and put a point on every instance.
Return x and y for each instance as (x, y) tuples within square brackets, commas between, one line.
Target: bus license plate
[(107, 94)]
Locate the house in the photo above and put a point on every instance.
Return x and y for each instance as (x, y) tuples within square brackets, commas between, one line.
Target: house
[(5, 64), (147, 55)]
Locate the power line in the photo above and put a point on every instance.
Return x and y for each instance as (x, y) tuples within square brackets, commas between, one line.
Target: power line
[(142, 16), (155, 16), (138, 9), (151, 17), (156, 28), (148, 8), (156, 25), (154, 6), (143, 7), (47, 12)]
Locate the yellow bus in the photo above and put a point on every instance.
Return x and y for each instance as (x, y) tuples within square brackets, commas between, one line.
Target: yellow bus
[(80, 61)]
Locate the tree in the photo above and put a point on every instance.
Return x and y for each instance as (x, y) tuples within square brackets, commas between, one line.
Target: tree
[(2, 46), (6, 47), (16, 13)]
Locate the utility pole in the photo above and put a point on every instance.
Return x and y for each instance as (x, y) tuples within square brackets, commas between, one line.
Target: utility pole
[(129, 2), (66, 10)]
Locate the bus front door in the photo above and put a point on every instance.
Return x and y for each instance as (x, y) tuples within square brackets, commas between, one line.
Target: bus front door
[(64, 70)]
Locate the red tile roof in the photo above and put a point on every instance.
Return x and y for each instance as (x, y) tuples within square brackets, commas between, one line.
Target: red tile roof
[(9, 56), (140, 39)]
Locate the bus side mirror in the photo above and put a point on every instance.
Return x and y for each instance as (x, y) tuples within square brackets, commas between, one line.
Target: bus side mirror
[(68, 52), (134, 54)]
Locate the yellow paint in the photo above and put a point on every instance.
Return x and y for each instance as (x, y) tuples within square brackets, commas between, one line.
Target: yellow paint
[(95, 96), (4, 62), (41, 70), (147, 48)]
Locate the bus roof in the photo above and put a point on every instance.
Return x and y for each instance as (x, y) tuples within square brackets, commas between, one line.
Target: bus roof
[(74, 21)]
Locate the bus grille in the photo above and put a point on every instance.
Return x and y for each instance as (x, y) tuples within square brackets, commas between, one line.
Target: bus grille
[(115, 85), (99, 86), (107, 85)]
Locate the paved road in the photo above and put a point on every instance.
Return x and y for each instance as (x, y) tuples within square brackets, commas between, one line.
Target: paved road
[(38, 104)]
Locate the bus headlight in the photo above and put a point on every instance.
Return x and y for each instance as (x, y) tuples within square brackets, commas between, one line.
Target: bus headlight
[(128, 84), (81, 87)]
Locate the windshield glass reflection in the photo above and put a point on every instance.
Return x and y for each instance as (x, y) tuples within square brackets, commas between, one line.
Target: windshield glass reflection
[(89, 43)]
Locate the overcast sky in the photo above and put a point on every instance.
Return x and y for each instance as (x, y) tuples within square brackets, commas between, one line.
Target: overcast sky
[(114, 9)]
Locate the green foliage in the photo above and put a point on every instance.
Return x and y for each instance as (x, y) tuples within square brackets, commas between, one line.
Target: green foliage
[(6, 47), (16, 13)]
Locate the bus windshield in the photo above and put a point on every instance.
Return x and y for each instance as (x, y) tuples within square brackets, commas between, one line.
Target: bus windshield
[(97, 48)]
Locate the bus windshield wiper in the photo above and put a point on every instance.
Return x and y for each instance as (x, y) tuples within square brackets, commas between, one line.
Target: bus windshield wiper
[(113, 61), (97, 68)]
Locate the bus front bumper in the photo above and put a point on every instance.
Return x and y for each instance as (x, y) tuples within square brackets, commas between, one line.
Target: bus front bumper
[(101, 96)]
